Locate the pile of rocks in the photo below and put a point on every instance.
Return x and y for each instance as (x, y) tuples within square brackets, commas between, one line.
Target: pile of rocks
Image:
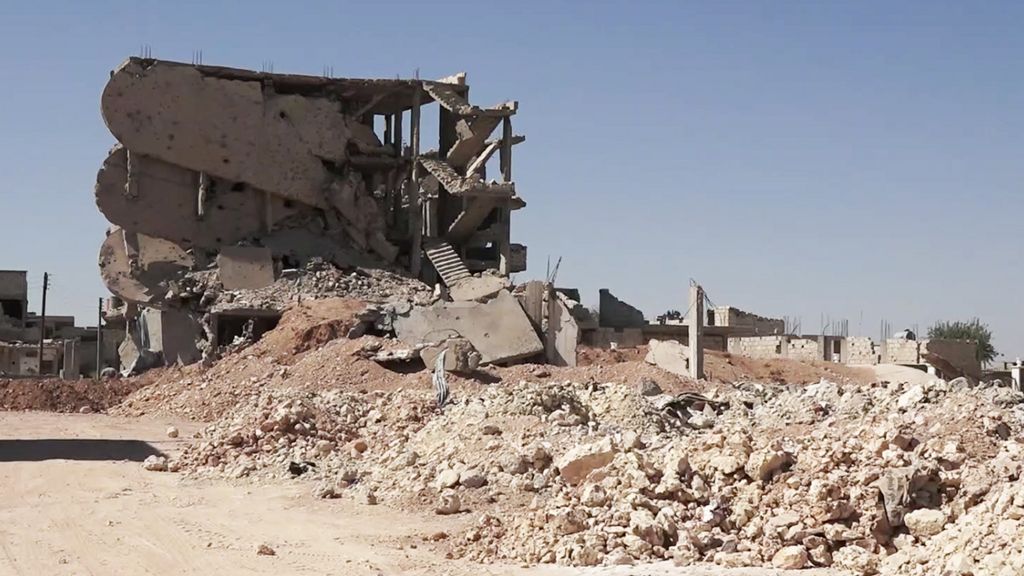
[(319, 279), (900, 477)]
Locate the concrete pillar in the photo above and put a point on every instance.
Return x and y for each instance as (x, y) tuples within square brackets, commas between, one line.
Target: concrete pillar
[(695, 328), (72, 367), (1015, 375)]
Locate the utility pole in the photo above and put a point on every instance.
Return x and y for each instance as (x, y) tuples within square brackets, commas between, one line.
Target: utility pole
[(99, 340), (42, 321)]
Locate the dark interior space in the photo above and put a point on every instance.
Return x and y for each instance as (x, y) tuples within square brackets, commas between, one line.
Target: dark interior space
[(13, 308), (235, 323)]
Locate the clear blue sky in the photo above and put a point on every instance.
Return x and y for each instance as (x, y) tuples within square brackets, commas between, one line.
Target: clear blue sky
[(797, 158)]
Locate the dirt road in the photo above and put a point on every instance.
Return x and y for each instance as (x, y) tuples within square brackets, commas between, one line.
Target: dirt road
[(75, 500)]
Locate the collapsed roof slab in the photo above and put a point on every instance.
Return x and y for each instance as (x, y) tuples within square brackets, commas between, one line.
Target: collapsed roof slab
[(164, 202), (238, 129), (499, 328)]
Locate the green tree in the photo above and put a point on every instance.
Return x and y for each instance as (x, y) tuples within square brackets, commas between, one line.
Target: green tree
[(972, 330)]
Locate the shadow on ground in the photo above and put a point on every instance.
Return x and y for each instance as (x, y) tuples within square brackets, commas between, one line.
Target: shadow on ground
[(46, 449)]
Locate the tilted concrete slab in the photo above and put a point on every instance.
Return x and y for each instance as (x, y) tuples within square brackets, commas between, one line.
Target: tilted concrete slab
[(563, 333), (245, 267), (173, 333), (166, 203), (670, 356), (499, 328), (157, 263), (238, 128)]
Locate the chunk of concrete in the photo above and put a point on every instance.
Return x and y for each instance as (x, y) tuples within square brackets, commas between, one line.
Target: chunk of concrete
[(461, 356), (473, 288), (498, 329), (173, 333), (575, 465), (139, 268), (563, 333), (925, 522), (245, 267), (669, 355)]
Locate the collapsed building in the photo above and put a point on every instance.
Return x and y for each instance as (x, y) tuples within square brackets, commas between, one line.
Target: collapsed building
[(230, 180)]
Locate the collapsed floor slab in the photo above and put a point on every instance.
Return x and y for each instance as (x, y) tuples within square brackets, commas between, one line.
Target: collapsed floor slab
[(499, 328)]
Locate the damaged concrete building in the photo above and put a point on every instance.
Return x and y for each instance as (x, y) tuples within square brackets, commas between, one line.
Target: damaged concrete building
[(729, 329), (245, 175), (67, 350)]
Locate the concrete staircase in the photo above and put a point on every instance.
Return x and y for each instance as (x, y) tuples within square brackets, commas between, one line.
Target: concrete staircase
[(448, 264)]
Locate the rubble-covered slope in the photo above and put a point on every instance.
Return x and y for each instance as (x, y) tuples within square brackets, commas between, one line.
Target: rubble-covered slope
[(898, 478)]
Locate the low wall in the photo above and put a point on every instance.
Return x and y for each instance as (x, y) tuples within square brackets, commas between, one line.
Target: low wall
[(759, 346)]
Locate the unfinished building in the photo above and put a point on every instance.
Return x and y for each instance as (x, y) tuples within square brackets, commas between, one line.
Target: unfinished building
[(250, 173)]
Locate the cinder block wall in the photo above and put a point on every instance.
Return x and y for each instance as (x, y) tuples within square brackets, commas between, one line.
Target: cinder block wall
[(804, 349), (861, 350), (899, 351), (759, 346)]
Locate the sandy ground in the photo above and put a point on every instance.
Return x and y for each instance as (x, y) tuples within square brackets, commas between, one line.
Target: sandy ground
[(75, 500)]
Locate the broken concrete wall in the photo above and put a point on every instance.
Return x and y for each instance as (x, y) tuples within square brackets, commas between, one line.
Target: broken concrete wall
[(759, 346), (563, 333), (174, 334), (614, 313), (734, 317), (952, 355)]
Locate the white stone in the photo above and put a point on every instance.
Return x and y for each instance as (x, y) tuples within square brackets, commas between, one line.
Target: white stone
[(447, 479), (925, 522), (669, 355), (155, 463), (911, 397), (764, 463), (790, 558), (448, 503), (580, 461), (472, 478)]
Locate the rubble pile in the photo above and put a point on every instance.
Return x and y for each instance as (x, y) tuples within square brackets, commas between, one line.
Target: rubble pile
[(318, 280), (898, 478)]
